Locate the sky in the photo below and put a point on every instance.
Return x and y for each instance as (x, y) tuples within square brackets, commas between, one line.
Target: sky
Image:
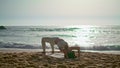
[(59, 12)]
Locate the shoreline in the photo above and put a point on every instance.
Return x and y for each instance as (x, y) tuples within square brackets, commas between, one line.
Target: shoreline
[(17, 50)]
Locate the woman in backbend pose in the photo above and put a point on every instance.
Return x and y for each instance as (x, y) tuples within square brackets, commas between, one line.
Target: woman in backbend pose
[(62, 45)]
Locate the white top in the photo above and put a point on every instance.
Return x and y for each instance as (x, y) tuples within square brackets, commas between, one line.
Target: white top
[(62, 45)]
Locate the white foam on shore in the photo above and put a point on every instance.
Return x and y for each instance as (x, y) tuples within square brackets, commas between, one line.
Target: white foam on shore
[(106, 52), (11, 50)]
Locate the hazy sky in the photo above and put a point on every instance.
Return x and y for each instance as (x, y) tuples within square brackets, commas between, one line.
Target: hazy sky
[(60, 12)]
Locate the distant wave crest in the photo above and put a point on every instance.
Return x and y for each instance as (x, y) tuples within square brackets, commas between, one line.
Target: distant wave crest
[(18, 45), (53, 29)]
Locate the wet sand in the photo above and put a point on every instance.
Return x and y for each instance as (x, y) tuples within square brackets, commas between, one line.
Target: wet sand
[(38, 60)]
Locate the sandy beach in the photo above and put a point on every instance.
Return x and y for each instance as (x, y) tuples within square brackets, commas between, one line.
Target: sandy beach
[(38, 60)]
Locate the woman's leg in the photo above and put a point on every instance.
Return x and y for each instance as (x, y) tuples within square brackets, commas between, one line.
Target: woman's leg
[(43, 45), (52, 46)]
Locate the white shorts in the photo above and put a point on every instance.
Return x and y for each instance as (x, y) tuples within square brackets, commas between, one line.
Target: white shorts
[(62, 45)]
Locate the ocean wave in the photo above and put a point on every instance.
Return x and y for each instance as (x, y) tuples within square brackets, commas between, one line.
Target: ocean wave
[(18, 45), (57, 35), (53, 29), (64, 35)]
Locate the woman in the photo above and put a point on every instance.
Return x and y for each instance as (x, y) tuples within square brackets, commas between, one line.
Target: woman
[(62, 45)]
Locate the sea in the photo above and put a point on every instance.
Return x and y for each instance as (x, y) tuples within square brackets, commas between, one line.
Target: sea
[(29, 37)]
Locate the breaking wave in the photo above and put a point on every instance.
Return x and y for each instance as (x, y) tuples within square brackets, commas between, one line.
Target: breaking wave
[(18, 45), (53, 29)]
